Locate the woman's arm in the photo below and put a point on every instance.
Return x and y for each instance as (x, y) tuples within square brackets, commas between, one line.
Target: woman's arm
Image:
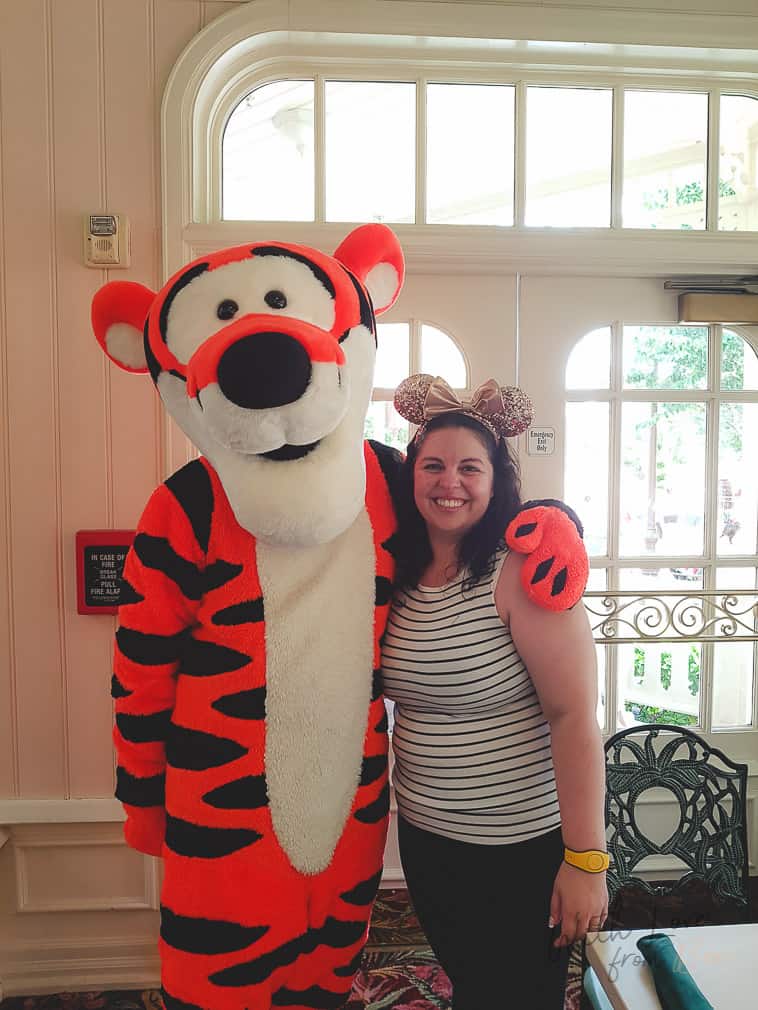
[(559, 653)]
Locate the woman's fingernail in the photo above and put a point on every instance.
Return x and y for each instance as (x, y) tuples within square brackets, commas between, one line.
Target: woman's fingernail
[(550, 922)]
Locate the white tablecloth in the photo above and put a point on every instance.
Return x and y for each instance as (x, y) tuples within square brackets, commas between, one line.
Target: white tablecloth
[(723, 961)]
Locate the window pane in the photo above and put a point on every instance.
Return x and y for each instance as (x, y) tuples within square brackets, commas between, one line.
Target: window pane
[(470, 144), (586, 488), (657, 578), (267, 152), (370, 151), (665, 151), (738, 166), (589, 364), (738, 478), (665, 357), (568, 157), (384, 424), (440, 355), (659, 682), (392, 355), (739, 362), (662, 478), (734, 663)]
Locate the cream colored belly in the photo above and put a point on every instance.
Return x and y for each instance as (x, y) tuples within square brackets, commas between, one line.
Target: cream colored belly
[(319, 612)]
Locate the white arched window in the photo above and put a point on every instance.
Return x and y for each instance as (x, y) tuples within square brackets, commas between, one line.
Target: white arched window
[(404, 349), (306, 150), (669, 417)]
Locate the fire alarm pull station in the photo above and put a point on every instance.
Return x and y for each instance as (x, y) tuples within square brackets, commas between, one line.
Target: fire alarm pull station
[(106, 240)]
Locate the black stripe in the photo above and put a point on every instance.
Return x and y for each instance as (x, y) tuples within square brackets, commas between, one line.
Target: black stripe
[(315, 997), (196, 751), (249, 612), (206, 936), (348, 970), (393, 545), (219, 573), (377, 810), (139, 792), (154, 366), (128, 594), (382, 590), (525, 529), (373, 768), (381, 726), (364, 892), (247, 793), (144, 728), (192, 488), (368, 318), (244, 704), (198, 842), (318, 273), (206, 659), (149, 650), (559, 582), (334, 933), (253, 972), (172, 1003), (542, 569), (157, 554), (376, 684), (117, 688), (186, 278)]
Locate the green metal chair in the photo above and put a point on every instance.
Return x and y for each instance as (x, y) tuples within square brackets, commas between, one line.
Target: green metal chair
[(710, 839)]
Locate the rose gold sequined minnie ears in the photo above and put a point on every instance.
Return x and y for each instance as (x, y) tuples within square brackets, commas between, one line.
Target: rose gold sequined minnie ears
[(504, 410)]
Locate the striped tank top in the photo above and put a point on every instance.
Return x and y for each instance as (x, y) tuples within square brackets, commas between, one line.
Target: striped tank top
[(470, 741)]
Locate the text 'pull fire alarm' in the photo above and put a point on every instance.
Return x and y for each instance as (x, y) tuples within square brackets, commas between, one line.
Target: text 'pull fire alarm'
[(106, 240)]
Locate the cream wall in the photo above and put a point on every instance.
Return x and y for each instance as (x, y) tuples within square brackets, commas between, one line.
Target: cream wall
[(80, 90), (81, 83)]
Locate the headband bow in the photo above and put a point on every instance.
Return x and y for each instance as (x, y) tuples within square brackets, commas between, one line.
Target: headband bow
[(505, 410)]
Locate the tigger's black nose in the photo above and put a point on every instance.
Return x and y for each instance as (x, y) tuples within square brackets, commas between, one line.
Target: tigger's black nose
[(264, 370)]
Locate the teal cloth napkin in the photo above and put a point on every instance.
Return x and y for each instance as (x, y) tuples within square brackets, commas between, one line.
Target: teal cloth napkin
[(675, 986)]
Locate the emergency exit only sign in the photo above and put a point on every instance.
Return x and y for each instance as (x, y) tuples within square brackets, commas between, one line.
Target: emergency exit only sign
[(541, 441)]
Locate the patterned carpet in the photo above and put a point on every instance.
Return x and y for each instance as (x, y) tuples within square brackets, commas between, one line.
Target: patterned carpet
[(399, 972)]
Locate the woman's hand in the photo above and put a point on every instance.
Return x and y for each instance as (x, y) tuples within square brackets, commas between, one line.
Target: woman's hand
[(579, 903)]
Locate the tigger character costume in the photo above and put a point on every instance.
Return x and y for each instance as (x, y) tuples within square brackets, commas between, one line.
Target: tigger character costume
[(251, 735)]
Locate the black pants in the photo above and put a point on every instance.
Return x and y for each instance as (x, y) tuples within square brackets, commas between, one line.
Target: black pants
[(485, 909)]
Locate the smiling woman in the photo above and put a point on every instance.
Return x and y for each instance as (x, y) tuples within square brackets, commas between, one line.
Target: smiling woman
[(494, 698)]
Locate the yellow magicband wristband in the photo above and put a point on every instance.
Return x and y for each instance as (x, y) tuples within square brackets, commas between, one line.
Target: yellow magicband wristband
[(591, 861)]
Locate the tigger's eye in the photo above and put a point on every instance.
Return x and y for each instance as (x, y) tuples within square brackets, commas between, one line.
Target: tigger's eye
[(227, 309), (275, 299)]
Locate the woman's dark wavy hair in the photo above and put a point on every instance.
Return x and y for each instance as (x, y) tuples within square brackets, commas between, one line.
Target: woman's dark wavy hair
[(478, 546)]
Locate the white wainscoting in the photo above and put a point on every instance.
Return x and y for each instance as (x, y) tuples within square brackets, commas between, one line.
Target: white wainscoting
[(78, 909)]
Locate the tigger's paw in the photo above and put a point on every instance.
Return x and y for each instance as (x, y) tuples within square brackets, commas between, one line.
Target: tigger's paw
[(554, 574), (145, 829)]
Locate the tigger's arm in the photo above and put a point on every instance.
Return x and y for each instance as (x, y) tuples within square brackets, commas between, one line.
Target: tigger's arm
[(161, 575), (555, 573)]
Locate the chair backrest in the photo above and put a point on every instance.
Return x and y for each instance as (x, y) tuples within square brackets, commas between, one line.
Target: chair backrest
[(711, 839)]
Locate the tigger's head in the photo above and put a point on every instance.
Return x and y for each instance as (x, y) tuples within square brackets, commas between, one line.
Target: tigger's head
[(264, 355)]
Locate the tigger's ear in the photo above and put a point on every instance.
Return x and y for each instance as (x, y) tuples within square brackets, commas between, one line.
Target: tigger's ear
[(372, 252), (119, 311)]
